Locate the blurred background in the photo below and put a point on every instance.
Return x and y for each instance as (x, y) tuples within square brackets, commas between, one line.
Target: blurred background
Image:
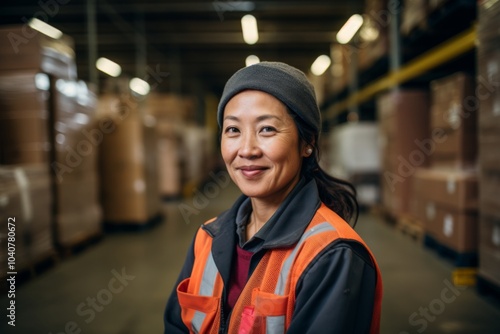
[(109, 154)]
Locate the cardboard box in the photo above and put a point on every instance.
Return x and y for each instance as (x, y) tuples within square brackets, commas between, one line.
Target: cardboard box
[(170, 175), (170, 107), (414, 15), (456, 189), (341, 55), (404, 124), (454, 111), (23, 118), (22, 48), (488, 87), (446, 201), (458, 230), (489, 248), (489, 193)]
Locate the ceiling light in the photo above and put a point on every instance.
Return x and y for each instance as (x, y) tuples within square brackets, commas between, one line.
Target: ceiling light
[(45, 28), (252, 60), (139, 86), (249, 27), (320, 65), (109, 67), (349, 29)]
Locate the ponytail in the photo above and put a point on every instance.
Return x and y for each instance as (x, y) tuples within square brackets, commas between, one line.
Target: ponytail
[(338, 195)]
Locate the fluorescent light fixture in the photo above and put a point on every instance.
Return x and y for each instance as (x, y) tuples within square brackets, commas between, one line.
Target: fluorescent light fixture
[(45, 28), (249, 27), (109, 67), (139, 86), (349, 29), (252, 60), (320, 65)]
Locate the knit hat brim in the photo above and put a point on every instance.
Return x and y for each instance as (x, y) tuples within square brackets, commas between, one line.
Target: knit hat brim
[(284, 82)]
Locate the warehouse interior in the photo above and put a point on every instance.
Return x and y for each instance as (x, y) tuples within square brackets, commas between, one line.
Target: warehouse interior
[(110, 150)]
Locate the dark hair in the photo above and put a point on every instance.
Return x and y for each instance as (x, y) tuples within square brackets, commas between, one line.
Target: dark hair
[(339, 195)]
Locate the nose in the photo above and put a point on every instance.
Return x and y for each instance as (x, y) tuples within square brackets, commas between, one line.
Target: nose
[(249, 148)]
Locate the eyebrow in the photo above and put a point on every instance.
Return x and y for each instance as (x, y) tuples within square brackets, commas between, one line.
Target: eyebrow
[(259, 119)]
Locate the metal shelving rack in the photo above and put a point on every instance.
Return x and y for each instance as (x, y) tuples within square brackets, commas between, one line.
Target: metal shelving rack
[(453, 48)]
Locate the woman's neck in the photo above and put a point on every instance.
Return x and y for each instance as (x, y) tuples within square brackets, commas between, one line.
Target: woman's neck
[(264, 208)]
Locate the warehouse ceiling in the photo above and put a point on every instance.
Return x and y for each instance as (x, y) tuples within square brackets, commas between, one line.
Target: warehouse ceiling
[(198, 43)]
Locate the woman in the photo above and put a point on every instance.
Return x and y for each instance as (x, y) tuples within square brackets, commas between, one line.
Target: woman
[(283, 258)]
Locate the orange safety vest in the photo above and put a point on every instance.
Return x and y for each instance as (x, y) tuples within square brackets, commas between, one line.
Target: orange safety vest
[(267, 301)]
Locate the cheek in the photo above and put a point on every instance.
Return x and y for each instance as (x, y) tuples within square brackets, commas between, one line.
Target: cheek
[(285, 151), (227, 151)]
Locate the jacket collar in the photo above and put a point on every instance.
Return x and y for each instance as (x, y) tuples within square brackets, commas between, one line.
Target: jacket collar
[(288, 222)]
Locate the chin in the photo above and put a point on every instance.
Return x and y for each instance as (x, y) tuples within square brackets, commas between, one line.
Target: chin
[(251, 190)]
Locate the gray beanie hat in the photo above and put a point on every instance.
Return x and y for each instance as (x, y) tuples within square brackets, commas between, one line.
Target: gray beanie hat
[(284, 82)]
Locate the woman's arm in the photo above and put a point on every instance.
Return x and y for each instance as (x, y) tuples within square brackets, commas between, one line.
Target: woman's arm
[(336, 292)]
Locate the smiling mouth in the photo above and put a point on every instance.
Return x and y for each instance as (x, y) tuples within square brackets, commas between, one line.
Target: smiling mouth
[(252, 171)]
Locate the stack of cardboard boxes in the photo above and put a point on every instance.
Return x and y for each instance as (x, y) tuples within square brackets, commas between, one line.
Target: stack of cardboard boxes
[(44, 113), (127, 163), (27, 61), (445, 196), (186, 150), (488, 97), (171, 113), (404, 123)]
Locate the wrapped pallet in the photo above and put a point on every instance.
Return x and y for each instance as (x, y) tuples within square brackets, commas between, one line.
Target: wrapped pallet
[(353, 155), (488, 98), (77, 137), (25, 49), (128, 163), (26, 203), (172, 112)]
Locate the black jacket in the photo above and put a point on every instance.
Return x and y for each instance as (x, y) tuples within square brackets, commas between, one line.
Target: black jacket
[(335, 293)]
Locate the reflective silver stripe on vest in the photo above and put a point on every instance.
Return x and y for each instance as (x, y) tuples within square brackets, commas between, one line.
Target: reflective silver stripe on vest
[(206, 289), (276, 324)]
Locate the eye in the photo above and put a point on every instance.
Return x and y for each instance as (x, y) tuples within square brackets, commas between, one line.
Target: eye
[(231, 129), (268, 129)]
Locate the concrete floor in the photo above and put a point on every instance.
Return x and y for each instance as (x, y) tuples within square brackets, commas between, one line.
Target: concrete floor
[(83, 292)]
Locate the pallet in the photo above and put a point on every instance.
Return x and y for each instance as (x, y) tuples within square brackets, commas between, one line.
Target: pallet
[(411, 227), (120, 227), (468, 259), (34, 269), (79, 245)]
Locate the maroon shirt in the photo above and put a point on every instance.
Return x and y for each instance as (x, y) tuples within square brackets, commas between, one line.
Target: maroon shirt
[(239, 275)]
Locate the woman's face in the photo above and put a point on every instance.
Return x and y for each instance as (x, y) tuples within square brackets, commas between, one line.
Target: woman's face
[(260, 146)]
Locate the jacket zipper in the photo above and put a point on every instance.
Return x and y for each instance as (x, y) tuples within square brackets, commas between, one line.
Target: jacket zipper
[(222, 327)]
